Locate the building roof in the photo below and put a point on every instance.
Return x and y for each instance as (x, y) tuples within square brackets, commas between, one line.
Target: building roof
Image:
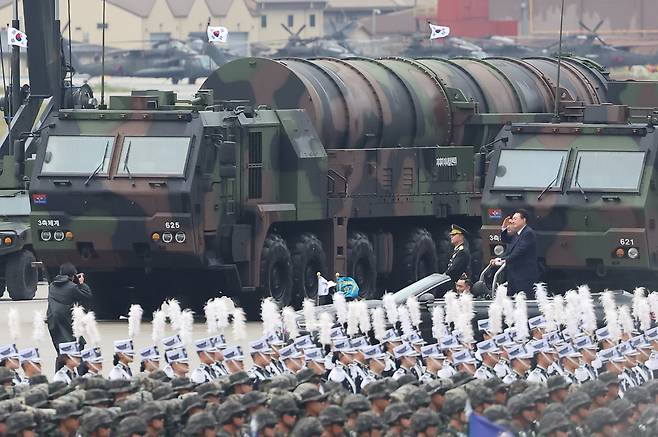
[(180, 8), (281, 2), (369, 5), (218, 8), (141, 8), (402, 22)]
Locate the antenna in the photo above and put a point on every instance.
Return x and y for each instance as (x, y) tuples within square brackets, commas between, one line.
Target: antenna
[(102, 105), (70, 50), (15, 85), (556, 112)]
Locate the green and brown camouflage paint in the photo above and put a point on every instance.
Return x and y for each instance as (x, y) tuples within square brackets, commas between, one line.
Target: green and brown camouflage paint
[(360, 156)]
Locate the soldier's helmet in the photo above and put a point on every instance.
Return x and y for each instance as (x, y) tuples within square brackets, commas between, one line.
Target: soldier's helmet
[(191, 402), (20, 421), (517, 403), (308, 427), (228, 410), (94, 419), (395, 412), (497, 412), (423, 419), (553, 421), (417, 398), (556, 382), (262, 419), (151, 410), (132, 425), (333, 415), (368, 421), (199, 422), (284, 404), (455, 401), (253, 398), (355, 403), (575, 400), (600, 418)]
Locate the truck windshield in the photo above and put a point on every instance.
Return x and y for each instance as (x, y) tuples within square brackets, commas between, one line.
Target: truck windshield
[(609, 171), (15, 204), (154, 156), (77, 155), (523, 169)]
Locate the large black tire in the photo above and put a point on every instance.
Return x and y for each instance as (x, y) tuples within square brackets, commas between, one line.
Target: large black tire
[(276, 270), (21, 276), (417, 257), (308, 258), (361, 264)]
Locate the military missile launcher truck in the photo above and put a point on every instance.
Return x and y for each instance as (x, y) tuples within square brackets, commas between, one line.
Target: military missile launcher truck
[(280, 169), (589, 183)]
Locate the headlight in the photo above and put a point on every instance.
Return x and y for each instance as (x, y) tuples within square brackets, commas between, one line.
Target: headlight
[(499, 249), (180, 237), (58, 235), (7, 241), (167, 237), (633, 253), (46, 235)]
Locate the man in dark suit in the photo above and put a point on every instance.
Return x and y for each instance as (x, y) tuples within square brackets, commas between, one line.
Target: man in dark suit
[(520, 254), (460, 261)]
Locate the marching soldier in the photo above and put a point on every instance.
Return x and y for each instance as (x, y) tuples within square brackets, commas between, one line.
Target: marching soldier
[(376, 365), (544, 360), (489, 353), (9, 358), (433, 363), (460, 261), (178, 361), (260, 355), (69, 359), (341, 372), (520, 363), (93, 361), (124, 354), (408, 358), (218, 355), (149, 360), (30, 363), (205, 371)]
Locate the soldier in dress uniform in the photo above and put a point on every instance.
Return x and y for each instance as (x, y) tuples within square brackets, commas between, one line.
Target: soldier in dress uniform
[(124, 354), (316, 361), (569, 362), (489, 353), (544, 360), (234, 359), (149, 358), (69, 358), (291, 359), (357, 367), (520, 363), (179, 362), (460, 261), (276, 343), (341, 373), (464, 361), (260, 356), (390, 341), (408, 357), (30, 364), (376, 364), (644, 348), (93, 360), (170, 343), (218, 355), (204, 372), (502, 367), (433, 362), (588, 349), (9, 359)]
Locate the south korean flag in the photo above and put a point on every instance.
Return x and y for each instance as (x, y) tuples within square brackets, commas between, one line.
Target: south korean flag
[(439, 31), (16, 38)]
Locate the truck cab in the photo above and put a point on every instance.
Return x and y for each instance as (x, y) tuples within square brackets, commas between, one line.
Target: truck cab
[(589, 185)]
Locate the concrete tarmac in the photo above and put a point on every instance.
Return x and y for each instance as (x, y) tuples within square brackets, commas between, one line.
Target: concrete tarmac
[(109, 330)]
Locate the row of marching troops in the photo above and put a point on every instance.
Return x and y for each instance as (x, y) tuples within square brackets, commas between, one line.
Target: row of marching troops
[(342, 374)]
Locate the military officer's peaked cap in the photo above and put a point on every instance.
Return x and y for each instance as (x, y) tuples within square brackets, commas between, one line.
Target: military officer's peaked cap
[(92, 355), (149, 353), (456, 230), (172, 342), (124, 346)]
